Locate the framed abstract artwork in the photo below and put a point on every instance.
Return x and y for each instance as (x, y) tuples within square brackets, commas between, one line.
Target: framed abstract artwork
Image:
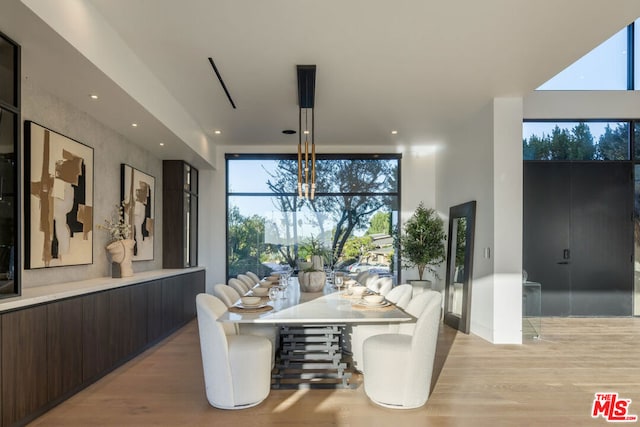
[(138, 201), (58, 199)]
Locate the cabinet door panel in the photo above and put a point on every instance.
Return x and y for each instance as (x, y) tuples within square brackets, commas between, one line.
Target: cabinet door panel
[(155, 311), (96, 349), (64, 343), (24, 363)]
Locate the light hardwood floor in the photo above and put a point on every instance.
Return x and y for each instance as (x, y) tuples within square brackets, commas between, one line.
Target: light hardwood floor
[(547, 382)]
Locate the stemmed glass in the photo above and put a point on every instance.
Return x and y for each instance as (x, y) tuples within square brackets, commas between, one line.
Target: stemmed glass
[(284, 280)]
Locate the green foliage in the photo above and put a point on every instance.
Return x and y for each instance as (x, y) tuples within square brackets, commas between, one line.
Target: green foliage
[(355, 247), (245, 242), (614, 142), (314, 246), (578, 144), (422, 240), (380, 223)]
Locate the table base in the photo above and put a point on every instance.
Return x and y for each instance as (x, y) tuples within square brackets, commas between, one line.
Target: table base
[(310, 356)]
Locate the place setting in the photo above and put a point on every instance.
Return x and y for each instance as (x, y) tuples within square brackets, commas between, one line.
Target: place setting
[(372, 302), (251, 304)]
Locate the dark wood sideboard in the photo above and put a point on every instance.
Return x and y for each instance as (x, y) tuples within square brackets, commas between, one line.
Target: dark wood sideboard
[(50, 351)]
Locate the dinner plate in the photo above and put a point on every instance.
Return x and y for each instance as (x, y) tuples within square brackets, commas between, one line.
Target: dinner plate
[(259, 305), (379, 304)]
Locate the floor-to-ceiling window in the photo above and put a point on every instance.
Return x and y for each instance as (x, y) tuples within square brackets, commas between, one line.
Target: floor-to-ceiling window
[(350, 220)]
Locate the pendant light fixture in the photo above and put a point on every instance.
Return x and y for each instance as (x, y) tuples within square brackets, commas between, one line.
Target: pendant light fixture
[(306, 162)]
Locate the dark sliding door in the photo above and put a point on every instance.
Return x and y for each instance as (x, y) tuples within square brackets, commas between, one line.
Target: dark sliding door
[(578, 236)]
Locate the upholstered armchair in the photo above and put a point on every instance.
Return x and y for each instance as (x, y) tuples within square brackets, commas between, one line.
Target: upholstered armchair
[(398, 367), (237, 368)]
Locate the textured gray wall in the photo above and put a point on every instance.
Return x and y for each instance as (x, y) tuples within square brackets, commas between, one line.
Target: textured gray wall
[(110, 150)]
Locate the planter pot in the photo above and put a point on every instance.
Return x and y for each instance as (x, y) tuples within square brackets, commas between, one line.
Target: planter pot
[(312, 281), (420, 285), (121, 254)]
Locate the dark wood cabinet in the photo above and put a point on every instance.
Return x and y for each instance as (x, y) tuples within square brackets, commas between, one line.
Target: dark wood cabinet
[(24, 363), (50, 351), (96, 348), (64, 347), (154, 310), (180, 214)]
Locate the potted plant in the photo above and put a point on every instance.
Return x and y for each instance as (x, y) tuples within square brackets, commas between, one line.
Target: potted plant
[(421, 243), (312, 278)]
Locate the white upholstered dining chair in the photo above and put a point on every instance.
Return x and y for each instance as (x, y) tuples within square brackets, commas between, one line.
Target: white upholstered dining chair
[(246, 280), (405, 383), (229, 297), (400, 296), (253, 276), (240, 287), (237, 368)]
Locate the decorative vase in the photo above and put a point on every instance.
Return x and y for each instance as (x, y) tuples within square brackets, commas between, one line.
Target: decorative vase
[(312, 281), (121, 254), (317, 262)]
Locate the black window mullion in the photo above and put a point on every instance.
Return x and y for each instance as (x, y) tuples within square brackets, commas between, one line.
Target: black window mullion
[(630, 57)]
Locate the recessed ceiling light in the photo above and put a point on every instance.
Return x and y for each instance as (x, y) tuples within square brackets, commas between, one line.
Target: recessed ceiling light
[(394, 132), (306, 132), (217, 132), (93, 96), (135, 125), (162, 144)]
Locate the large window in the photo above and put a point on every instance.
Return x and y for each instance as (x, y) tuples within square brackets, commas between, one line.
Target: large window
[(576, 140), (350, 220), (613, 65)]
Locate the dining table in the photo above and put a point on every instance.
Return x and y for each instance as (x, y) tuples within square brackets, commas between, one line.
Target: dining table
[(313, 331)]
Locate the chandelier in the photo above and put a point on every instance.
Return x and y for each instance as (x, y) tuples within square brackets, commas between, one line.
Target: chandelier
[(306, 162)]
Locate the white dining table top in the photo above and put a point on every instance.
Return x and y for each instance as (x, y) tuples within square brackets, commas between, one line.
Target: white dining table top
[(326, 307)]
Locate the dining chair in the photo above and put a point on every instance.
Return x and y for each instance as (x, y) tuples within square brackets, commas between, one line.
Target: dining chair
[(384, 285), (246, 280), (237, 368), (226, 294), (370, 279), (361, 277), (239, 286), (400, 296), (253, 276), (229, 297), (406, 383)]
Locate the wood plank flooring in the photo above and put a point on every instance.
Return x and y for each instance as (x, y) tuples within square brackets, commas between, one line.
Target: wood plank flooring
[(545, 382)]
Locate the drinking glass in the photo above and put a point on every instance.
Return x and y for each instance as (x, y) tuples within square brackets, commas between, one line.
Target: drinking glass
[(338, 280), (274, 293)]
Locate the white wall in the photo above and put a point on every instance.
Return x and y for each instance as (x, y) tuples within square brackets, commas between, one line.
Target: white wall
[(110, 150), (482, 161)]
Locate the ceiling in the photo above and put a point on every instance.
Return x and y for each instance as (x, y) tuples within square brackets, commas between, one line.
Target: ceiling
[(416, 66)]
